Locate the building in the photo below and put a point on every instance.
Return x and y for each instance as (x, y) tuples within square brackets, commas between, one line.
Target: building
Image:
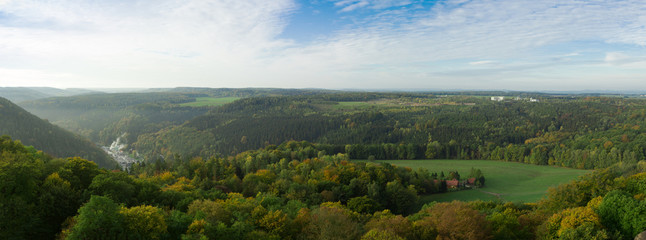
[(497, 99), (452, 183), (471, 181)]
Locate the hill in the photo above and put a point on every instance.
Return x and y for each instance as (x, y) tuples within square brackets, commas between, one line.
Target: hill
[(103, 117), (584, 132), (286, 192), (19, 94), (574, 131), (31, 130)]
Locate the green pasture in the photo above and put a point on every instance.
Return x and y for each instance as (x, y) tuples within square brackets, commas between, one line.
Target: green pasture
[(209, 101), (352, 105), (507, 181)]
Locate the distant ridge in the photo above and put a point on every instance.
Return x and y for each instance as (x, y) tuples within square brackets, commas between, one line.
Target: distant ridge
[(20, 94), (31, 130)]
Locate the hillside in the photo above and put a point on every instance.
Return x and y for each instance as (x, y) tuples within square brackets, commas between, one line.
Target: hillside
[(105, 116), (19, 94), (576, 132), (286, 192), (31, 130)]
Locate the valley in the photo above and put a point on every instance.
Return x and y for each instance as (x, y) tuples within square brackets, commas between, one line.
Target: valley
[(323, 120), (193, 158)]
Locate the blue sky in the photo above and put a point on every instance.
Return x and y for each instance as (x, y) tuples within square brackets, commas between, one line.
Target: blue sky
[(339, 44)]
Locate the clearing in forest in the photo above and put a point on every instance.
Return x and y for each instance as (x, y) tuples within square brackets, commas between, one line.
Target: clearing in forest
[(507, 181), (209, 101)]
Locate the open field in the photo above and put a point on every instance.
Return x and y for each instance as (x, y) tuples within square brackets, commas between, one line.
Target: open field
[(352, 105), (397, 103), (510, 181), (210, 101)]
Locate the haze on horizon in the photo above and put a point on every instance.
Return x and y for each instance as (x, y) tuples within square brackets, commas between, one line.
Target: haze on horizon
[(336, 44)]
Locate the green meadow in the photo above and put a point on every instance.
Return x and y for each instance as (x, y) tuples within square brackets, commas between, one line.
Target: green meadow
[(352, 105), (209, 101), (506, 181)]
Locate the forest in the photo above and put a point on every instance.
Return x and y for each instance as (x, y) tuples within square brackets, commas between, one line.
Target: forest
[(300, 196), (33, 131), (575, 131), (301, 164)]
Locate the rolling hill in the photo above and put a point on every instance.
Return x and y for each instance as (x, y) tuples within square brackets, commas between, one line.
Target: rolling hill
[(31, 130), (19, 94)]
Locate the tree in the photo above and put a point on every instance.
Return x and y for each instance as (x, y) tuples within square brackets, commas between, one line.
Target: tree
[(99, 217), (57, 202), (573, 222), (118, 186), (454, 175), (479, 178), (456, 220), (144, 222), (389, 224), (375, 234), (363, 204), (19, 183), (177, 223), (275, 222), (332, 222), (621, 212), (400, 199), (538, 155), (79, 172), (433, 150), (505, 225), (211, 211)]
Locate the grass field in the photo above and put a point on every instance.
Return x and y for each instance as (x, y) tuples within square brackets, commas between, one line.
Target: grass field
[(352, 105), (515, 182), (209, 101)]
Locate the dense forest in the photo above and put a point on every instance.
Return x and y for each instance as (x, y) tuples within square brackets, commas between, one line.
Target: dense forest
[(585, 132), (52, 139), (104, 117), (280, 164), (292, 192)]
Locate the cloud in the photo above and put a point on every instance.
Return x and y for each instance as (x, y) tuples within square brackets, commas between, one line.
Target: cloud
[(35, 78), (623, 61), (351, 5), (417, 43), (617, 58), (485, 62), (122, 39), (237, 43)]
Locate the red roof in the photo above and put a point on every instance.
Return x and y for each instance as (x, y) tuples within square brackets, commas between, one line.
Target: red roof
[(452, 183), (471, 180)]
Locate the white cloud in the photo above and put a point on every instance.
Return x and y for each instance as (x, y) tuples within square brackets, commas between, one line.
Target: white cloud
[(397, 47), (236, 43), (34, 78), (351, 5), (485, 62), (623, 61), (616, 58), (122, 39)]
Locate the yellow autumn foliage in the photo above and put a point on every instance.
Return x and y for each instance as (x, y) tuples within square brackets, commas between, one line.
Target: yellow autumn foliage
[(182, 184), (144, 221), (574, 217)]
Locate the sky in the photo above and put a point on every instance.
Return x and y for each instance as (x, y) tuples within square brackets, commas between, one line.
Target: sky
[(525, 45)]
